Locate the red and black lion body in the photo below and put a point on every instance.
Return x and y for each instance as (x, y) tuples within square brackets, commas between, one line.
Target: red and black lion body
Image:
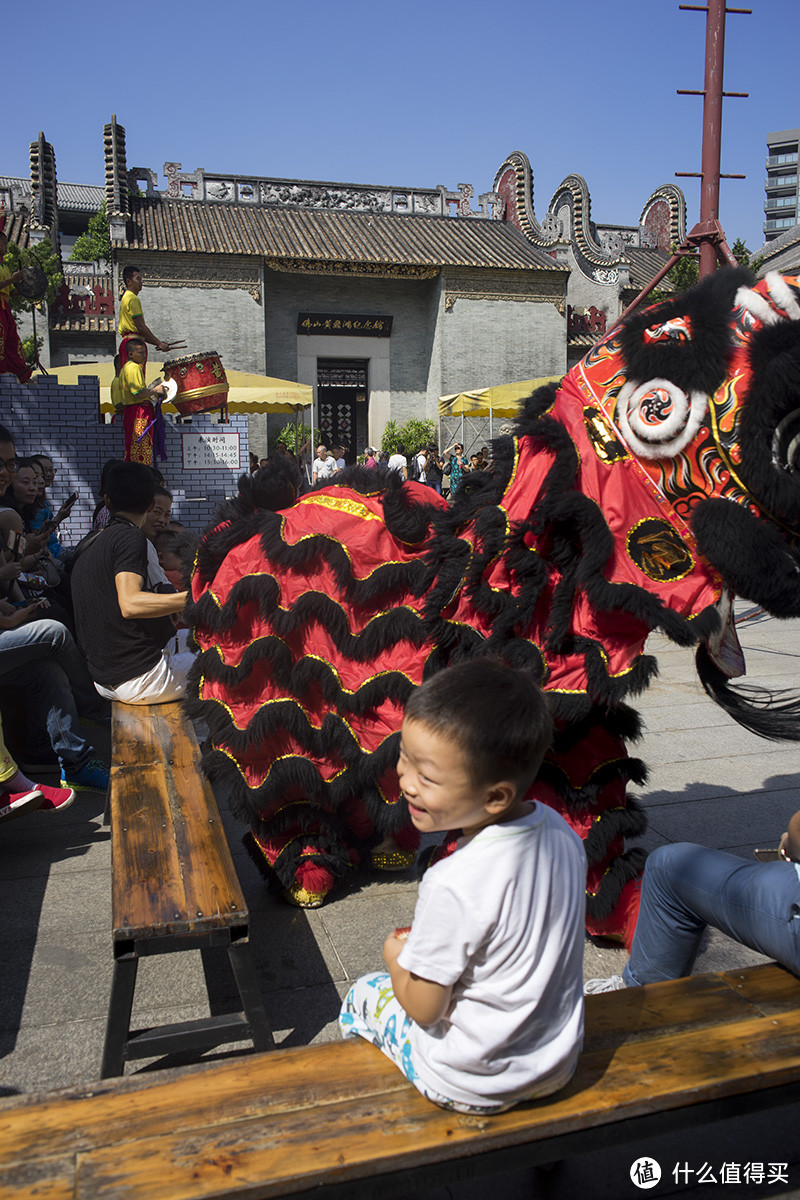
[(654, 482)]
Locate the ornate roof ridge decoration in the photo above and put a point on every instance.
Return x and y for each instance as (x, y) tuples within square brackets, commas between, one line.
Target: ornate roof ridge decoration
[(201, 186), (117, 191), (44, 194), (675, 200), (599, 259), (310, 266)]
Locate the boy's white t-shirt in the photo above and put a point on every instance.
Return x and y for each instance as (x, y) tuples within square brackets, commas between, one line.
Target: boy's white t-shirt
[(502, 920)]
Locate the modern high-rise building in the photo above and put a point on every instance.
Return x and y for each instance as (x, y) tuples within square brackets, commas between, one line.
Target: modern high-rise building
[(780, 205)]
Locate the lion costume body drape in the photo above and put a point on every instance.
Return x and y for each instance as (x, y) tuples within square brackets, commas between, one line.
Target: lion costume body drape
[(637, 495)]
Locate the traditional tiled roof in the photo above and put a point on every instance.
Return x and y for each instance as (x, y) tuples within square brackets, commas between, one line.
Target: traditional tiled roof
[(645, 265), (782, 253), (305, 235), (16, 225), (80, 197), (72, 197)]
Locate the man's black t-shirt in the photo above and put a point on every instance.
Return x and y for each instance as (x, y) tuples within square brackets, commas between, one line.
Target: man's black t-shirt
[(117, 648)]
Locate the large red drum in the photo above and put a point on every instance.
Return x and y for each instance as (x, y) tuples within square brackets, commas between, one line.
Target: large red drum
[(201, 382)]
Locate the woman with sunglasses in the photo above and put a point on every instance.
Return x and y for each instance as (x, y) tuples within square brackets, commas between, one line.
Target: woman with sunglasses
[(458, 467)]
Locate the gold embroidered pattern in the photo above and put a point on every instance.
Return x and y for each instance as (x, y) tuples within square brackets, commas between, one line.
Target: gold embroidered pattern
[(342, 504)]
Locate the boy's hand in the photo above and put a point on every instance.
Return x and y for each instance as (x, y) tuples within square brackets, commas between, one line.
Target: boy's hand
[(391, 948)]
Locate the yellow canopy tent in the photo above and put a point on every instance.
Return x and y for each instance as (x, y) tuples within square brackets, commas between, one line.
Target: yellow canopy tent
[(248, 393), (504, 400), (500, 401)]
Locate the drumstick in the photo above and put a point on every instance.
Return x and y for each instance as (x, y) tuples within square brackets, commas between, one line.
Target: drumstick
[(176, 345)]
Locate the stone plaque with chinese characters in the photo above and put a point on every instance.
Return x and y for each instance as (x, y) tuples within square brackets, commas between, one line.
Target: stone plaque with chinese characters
[(210, 451), (343, 325)]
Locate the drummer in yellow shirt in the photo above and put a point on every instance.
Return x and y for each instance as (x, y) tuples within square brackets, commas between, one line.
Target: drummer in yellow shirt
[(131, 320), (138, 413)]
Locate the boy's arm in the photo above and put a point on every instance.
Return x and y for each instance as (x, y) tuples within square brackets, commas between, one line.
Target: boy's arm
[(425, 1002), (135, 602)]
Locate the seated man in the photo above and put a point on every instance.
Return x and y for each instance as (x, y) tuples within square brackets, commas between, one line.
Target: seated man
[(123, 628), (687, 887)]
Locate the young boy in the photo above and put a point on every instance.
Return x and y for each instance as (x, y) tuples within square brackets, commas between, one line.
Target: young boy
[(482, 1006)]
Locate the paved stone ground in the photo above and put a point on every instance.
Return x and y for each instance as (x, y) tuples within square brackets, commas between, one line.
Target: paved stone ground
[(710, 781)]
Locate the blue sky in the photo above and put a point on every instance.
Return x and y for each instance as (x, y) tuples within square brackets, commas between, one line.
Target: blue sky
[(411, 94)]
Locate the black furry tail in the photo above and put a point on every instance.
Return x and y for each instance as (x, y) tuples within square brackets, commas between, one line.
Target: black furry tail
[(772, 715)]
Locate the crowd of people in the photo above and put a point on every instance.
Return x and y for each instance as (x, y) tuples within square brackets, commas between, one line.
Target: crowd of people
[(442, 472), (82, 624)]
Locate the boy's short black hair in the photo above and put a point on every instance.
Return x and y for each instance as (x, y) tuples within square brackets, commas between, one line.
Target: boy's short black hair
[(183, 545), (6, 435), (128, 271), (496, 715), (130, 488)]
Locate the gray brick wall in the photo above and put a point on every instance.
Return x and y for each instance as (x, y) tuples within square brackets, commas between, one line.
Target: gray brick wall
[(408, 301), (63, 421), (227, 320)]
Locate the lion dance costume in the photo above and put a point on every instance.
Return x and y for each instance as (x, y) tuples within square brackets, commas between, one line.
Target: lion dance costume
[(658, 480)]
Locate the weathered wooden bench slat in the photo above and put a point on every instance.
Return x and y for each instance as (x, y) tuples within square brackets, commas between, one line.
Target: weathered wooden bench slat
[(282, 1081), (401, 1131), (278, 1124), (147, 880), (174, 885)]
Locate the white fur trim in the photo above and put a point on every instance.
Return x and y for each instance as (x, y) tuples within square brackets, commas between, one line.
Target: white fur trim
[(783, 295), (672, 435), (757, 305)]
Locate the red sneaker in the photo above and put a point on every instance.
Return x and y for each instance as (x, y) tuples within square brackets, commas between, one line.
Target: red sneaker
[(55, 798), (14, 804)]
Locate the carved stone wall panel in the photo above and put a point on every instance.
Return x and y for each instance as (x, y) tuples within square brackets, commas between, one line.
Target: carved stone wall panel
[(504, 285), (311, 266), (180, 270)]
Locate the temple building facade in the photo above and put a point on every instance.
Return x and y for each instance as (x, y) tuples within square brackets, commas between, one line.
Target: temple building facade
[(383, 298)]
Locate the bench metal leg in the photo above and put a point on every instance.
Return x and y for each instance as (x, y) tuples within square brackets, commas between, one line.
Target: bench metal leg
[(250, 992), (126, 964)]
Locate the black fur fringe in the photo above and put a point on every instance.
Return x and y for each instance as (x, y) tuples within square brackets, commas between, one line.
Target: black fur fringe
[(768, 714)]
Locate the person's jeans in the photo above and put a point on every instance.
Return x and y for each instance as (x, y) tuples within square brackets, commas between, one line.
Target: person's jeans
[(43, 658), (687, 887)]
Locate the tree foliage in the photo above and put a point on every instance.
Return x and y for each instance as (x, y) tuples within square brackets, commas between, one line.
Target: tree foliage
[(686, 272), (293, 436), (95, 244), (742, 256), (41, 255), (412, 435)]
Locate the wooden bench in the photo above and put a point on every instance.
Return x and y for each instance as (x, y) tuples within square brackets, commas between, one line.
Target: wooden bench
[(339, 1121), (174, 883)]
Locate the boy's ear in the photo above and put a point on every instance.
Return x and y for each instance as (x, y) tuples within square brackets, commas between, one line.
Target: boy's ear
[(500, 796)]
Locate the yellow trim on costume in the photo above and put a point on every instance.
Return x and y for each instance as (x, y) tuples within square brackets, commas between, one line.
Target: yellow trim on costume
[(264, 637), (341, 504), (398, 562), (615, 808), (369, 679), (513, 476)]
